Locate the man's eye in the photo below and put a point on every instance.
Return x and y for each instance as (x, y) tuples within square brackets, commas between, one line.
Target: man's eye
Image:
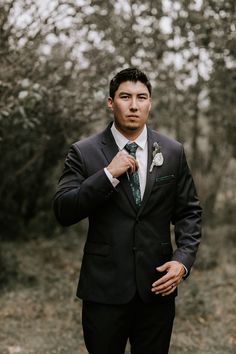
[(142, 97), (123, 97)]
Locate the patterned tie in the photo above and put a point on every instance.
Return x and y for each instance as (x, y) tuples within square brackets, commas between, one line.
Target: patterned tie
[(134, 177)]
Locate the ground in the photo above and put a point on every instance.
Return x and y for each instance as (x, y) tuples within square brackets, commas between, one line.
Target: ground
[(40, 315)]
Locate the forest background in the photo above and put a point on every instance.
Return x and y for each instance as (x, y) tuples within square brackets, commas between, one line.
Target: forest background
[(56, 60)]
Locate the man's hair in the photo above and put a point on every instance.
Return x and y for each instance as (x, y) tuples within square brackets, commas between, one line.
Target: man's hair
[(129, 74)]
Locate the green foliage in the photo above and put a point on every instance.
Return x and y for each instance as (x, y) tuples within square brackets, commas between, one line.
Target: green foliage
[(36, 107)]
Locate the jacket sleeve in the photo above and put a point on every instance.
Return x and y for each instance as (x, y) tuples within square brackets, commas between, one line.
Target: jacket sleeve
[(79, 194), (187, 216)]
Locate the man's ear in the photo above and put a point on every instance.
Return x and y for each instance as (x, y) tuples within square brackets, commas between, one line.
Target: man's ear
[(110, 103)]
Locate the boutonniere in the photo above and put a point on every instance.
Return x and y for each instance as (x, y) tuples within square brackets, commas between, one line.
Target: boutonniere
[(157, 156)]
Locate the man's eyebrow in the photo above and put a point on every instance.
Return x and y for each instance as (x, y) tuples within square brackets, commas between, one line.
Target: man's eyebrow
[(125, 93), (143, 94), (130, 94)]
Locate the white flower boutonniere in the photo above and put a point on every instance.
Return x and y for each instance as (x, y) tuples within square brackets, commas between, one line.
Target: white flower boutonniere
[(157, 156)]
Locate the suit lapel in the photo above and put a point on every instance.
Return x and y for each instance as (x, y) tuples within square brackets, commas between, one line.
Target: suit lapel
[(151, 176), (110, 149)]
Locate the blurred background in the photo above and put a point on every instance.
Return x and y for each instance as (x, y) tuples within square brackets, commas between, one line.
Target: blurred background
[(56, 60)]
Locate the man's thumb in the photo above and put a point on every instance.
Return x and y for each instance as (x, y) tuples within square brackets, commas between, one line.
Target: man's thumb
[(162, 268)]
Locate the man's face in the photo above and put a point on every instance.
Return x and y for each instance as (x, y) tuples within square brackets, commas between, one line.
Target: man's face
[(131, 106)]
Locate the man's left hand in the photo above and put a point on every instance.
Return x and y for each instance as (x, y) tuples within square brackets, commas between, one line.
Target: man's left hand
[(169, 282)]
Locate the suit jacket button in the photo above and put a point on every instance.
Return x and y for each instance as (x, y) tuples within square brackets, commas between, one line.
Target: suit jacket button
[(134, 249)]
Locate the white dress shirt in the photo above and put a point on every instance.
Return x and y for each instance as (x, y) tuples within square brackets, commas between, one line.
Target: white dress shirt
[(141, 155)]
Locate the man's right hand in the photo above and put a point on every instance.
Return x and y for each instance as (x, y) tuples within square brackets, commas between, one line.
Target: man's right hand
[(122, 163)]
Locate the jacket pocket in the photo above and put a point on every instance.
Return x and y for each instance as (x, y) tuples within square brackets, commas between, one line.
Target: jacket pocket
[(164, 179), (98, 249)]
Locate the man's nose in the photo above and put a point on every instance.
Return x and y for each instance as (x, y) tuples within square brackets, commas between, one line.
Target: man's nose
[(133, 104)]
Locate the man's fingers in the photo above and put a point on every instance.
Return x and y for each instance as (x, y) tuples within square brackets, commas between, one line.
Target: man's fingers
[(162, 280), (166, 280), (169, 291), (133, 164), (121, 163), (128, 159), (165, 287), (163, 267)]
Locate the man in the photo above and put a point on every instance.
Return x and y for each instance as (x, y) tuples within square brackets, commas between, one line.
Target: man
[(132, 183)]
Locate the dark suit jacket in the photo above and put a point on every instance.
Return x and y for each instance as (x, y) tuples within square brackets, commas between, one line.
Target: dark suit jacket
[(124, 244)]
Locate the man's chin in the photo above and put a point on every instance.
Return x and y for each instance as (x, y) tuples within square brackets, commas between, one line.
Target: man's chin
[(132, 128)]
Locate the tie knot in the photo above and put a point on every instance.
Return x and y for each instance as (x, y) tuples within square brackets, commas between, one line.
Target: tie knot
[(131, 148)]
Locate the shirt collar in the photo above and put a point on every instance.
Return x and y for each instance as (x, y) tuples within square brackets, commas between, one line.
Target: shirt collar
[(121, 140)]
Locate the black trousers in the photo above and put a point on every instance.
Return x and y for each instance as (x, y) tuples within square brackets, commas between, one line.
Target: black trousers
[(148, 326)]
